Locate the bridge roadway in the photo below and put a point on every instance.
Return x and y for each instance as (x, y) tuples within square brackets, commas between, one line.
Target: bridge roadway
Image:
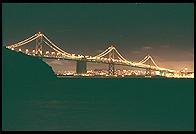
[(104, 61)]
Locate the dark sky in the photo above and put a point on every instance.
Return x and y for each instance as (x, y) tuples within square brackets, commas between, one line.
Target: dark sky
[(164, 30)]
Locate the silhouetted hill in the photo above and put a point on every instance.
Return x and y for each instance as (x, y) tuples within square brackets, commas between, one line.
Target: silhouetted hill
[(23, 74)]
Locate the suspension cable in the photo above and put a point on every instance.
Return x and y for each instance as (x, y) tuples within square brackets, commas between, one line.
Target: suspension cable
[(120, 55), (13, 46), (51, 46), (102, 53), (24, 41), (55, 45), (144, 60), (68, 55), (153, 62), (105, 53), (141, 61)]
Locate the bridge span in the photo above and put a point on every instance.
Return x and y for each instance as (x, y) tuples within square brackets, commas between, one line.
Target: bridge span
[(109, 56)]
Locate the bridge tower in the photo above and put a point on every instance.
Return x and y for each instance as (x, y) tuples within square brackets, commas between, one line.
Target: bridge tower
[(38, 47), (148, 70), (111, 69)]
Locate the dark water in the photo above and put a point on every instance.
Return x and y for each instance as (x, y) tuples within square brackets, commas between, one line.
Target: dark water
[(103, 104)]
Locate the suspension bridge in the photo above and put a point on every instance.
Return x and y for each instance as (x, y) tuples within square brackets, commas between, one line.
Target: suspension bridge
[(109, 56)]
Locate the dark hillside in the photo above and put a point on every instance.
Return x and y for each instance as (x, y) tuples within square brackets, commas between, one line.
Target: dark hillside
[(23, 74)]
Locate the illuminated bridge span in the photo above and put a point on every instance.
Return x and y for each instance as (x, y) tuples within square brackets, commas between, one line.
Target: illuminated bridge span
[(109, 56)]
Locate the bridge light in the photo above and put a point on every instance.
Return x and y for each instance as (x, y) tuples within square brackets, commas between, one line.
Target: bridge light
[(33, 51), (20, 50), (12, 49)]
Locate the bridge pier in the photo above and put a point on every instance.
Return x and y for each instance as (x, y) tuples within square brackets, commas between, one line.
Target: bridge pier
[(111, 69), (81, 67)]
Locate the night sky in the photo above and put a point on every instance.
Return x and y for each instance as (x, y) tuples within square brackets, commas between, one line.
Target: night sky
[(166, 31)]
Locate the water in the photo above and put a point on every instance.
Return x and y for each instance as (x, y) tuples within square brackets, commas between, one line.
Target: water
[(102, 104)]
